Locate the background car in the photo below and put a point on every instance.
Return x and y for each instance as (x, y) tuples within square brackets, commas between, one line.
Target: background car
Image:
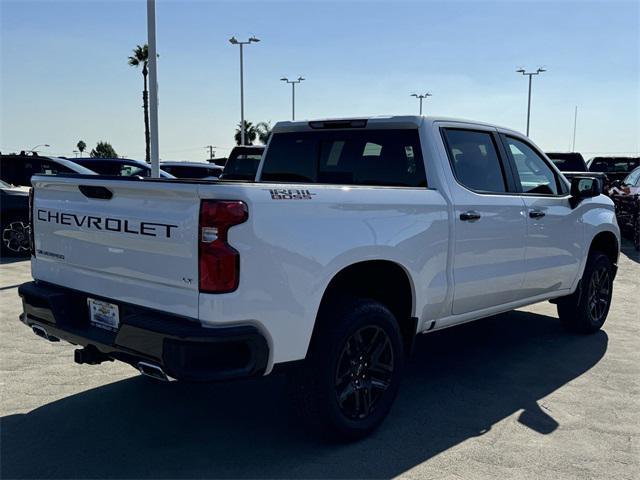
[(119, 167), (568, 161), (14, 219), (200, 170), (615, 168), (243, 163), (626, 196), (220, 161), (572, 164), (17, 169)]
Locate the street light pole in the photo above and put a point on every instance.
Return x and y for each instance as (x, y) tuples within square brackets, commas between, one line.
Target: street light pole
[(153, 89), (421, 97), (293, 93), (40, 145), (235, 41), (575, 124), (530, 75)]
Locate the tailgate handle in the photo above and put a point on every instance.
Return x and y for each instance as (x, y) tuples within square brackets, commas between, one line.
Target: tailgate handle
[(93, 191)]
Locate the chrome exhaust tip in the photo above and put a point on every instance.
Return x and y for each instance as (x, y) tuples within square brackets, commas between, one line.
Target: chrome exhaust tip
[(42, 333), (154, 371)]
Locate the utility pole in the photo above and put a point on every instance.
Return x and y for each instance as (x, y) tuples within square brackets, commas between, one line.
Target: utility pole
[(212, 153), (421, 97), (575, 123), (293, 93), (153, 89), (235, 41), (530, 75)]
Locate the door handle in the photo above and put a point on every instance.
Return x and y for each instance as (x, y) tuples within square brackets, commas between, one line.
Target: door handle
[(536, 214), (469, 216)]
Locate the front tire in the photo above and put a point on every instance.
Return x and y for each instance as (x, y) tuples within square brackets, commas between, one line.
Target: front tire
[(586, 310), (352, 374)]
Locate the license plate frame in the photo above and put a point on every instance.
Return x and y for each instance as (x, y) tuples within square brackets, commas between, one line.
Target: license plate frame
[(103, 314)]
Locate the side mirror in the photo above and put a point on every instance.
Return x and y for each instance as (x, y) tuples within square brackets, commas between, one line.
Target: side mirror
[(584, 187)]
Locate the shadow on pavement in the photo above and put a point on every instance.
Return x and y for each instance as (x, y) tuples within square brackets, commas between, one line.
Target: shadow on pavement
[(7, 260), (627, 249), (458, 384)]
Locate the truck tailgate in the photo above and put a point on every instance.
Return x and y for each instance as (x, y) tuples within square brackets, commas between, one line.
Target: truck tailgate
[(132, 241)]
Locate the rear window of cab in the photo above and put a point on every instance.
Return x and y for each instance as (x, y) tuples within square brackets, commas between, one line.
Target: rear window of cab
[(349, 157)]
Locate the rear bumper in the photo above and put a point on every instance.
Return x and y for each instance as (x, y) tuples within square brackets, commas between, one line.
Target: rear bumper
[(181, 346)]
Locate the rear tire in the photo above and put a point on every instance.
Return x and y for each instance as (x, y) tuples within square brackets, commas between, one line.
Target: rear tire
[(586, 310), (352, 373)]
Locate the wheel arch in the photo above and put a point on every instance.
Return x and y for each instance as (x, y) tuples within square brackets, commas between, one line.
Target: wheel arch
[(606, 242), (385, 281)]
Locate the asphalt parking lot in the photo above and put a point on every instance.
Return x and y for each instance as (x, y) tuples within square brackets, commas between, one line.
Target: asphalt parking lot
[(512, 396)]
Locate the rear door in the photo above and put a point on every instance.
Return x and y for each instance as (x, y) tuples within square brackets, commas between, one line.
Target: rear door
[(128, 240), (489, 222), (554, 229)]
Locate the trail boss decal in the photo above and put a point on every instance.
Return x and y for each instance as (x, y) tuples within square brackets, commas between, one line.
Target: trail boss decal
[(92, 222), (295, 194)]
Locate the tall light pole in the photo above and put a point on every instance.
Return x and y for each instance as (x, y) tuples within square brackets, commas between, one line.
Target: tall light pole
[(235, 41), (293, 93), (530, 75), (40, 145), (575, 124), (421, 97), (153, 89)]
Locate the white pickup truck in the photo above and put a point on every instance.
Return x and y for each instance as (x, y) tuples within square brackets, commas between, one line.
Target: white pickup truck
[(356, 236)]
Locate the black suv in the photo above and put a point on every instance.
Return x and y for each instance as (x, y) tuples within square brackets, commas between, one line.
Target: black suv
[(17, 170)]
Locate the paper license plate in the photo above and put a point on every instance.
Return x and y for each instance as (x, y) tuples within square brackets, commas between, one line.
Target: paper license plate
[(103, 314)]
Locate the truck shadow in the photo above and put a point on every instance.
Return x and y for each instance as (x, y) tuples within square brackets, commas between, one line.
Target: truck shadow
[(458, 384), (627, 249)]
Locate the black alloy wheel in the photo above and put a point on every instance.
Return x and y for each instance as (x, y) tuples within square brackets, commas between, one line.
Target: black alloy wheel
[(599, 294), (364, 371)]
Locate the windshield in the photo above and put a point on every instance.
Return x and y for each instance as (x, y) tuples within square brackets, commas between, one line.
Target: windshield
[(192, 171), (568, 162), (613, 164), (243, 166)]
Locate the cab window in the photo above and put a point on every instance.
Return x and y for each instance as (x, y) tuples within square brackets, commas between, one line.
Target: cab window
[(533, 173), (474, 158)]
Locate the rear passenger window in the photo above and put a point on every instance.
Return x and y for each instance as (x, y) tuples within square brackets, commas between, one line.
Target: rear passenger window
[(475, 161), (350, 157)]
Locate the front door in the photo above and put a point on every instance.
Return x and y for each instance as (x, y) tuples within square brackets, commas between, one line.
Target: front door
[(555, 231)]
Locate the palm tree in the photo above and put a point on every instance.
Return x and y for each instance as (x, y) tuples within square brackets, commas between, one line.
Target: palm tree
[(264, 132), (250, 133), (81, 146), (139, 58)]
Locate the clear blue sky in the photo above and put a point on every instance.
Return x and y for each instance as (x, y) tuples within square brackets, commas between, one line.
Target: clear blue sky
[(64, 74)]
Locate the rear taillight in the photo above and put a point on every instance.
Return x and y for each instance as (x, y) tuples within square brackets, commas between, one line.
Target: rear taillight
[(219, 263), (32, 244)]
